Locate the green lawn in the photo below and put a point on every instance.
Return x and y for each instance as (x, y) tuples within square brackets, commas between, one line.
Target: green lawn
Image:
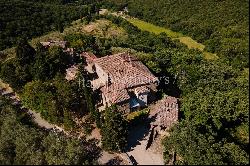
[(209, 55), (188, 41), (153, 28), (191, 43)]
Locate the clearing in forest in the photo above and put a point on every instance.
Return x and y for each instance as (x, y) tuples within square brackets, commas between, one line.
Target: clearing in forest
[(188, 41), (153, 28)]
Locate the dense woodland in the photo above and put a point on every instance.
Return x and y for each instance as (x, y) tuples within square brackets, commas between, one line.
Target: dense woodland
[(214, 99), (222, 26), (23, 143), (30, 18)]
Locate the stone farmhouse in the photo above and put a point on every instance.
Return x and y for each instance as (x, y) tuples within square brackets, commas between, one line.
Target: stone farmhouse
[(163, 116), (165, 113), (122, 79), (62, 44), (50, 43)]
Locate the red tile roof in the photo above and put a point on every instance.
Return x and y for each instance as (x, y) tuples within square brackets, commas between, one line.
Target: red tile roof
[(125, 71), (142, 89), (115, 94)]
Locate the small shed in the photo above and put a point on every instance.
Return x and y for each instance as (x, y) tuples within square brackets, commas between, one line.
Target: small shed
[(165, 113)]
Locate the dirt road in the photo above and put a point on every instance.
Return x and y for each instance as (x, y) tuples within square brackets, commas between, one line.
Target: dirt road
[(137, 147), (36, 117)]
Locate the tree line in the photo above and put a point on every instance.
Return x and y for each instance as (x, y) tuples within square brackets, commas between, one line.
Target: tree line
[(38, 75), (222, 26), (213, 99)]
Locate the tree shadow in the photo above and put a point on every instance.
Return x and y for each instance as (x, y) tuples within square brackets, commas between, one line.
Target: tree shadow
[(133, 160), (138, 133)]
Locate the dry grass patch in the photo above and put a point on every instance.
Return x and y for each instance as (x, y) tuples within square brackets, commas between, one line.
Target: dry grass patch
[(4, 85), (50, 36)]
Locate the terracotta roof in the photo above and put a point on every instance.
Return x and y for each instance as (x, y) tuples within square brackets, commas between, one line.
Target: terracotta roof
[(126, 70), (115, 93), (142, 89)]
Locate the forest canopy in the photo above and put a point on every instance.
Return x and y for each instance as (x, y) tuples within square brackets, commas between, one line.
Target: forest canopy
[(213, 94), (21, 142), (223, 26), (30, 18)]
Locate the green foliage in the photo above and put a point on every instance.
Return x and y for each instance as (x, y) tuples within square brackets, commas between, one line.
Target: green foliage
[(82, 42), (38, 77), (21, 144), (33, 65), (48, 63), (140, 40), (222, 26), (137, 117), (88, 126), (214, 102), (87, 92), (8, 76), (24, 52), (213, 95), (114, 130), (68, 151), (137, 114), (32, 18), (17, 71), (56, 100), (198, 148)]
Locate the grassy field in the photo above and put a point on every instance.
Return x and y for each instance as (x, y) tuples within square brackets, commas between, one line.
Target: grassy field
[(153, 28), (191, 43), (188, 41), (210, 56)]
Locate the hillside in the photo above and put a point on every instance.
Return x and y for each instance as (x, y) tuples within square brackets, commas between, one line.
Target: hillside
[(29, 18), (188, 41), (222, 26), (213, 127)]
